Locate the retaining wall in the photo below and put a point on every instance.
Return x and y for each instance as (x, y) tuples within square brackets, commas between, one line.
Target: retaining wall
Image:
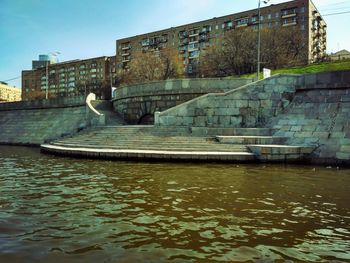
[(312, 109), (249, 106), (319, 115), (36, 122), (137, 104)]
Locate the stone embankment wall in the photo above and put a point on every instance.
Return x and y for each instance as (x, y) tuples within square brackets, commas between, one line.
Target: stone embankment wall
[(312, 109), (36, 122), (136, 104), (319, 115), (249, 106)]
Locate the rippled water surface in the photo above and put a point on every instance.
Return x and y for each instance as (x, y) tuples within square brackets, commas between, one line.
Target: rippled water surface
[(55, 209)]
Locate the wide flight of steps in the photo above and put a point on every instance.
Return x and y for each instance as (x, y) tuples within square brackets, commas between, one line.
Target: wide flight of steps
[(177, 143)]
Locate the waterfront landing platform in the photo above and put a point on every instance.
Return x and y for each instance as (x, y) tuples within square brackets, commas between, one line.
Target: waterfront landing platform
[(148, 142)]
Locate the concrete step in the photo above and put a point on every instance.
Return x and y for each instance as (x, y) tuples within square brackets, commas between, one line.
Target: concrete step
[(160, 147), (204, 131), (281, 152), (251, 139), (138, 154)]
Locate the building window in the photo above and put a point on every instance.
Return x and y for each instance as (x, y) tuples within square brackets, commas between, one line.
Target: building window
[(242, 22), (269, 16), (277, 15), (288, 12), (302, 9)]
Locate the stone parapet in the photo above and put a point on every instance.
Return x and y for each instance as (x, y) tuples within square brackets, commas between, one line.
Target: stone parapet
[(180, 86), (324, 80), (44, 104), (138, 103)]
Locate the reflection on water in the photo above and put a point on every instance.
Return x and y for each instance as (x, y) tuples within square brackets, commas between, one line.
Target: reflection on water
[(56, 209)]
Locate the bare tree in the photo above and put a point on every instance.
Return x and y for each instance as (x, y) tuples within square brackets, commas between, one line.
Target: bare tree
[(283, 47), (152, 65), (280, 47), (235, 56)]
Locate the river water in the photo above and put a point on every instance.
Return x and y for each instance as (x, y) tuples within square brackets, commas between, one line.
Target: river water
[(55, 209)]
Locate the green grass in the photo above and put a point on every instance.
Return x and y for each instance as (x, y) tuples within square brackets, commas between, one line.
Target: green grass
[(312, 68)]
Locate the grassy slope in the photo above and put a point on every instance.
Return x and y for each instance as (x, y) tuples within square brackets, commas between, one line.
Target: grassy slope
[(313, 68)]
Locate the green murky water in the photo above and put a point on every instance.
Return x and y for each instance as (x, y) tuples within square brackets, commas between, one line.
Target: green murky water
[(55, 209)]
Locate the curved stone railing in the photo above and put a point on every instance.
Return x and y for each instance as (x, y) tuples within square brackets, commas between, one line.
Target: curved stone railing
[(180, 86), (138, 102), (95, 117)]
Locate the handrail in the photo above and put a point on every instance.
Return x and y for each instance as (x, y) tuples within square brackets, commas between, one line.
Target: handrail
[(90, 98)]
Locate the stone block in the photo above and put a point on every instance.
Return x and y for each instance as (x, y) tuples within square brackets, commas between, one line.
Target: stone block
[(320, 135), (336, 76), (345, 148), (187, 121), (286, 128), (308, 128), (302, 134), (343, 156), (323, 78), (346, 76), (199, 120), (337, 135), (241, 103), (199, 112), (236, 121), (344, 141), (232, 111), (310, 79), (296, 128), (225, 121), (266, 103), (263, 96), (283, 122)]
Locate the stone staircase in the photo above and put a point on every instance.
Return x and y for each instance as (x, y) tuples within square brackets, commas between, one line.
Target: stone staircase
[(105, 107), (178, 143)]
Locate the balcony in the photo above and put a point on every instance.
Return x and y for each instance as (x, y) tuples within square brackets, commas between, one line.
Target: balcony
[(125, 54), (289, 15), (126, 47), (193, 49), (194, 35), (292, 23), (125, 60)]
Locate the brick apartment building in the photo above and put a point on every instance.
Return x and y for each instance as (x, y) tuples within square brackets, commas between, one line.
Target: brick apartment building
[(190, 39), (78, 77), (70, 78)]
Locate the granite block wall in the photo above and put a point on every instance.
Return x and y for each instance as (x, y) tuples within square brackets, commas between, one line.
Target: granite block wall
[(36, 122), (251, 105), (319, 115)]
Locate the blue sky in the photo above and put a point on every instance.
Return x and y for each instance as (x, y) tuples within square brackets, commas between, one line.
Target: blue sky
[(81, 29)]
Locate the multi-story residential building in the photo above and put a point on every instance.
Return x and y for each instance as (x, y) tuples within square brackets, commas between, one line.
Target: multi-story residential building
[(190, 39), (9, 93), (70, 78)]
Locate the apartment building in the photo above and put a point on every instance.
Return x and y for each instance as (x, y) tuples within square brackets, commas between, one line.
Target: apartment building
[(9, 93), (189, 40), (70, 78)]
